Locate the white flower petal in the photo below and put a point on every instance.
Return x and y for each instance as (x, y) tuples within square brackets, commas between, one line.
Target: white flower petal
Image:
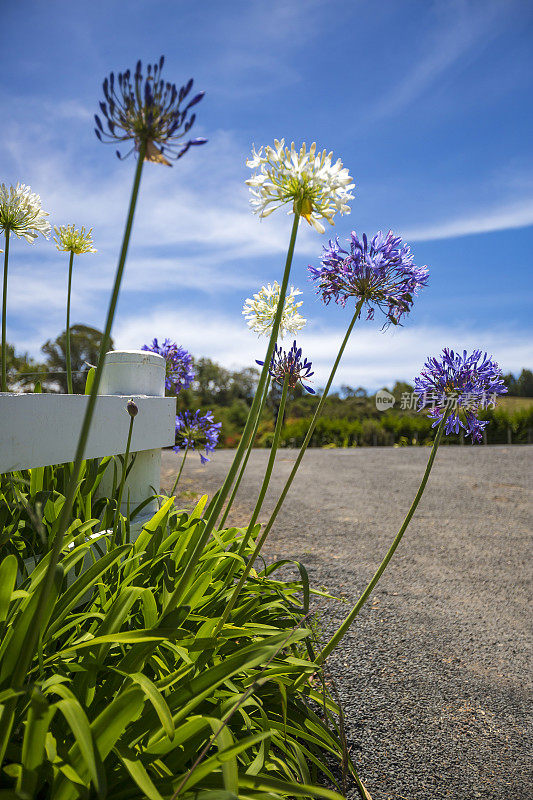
[(261, 311), (286, 175)]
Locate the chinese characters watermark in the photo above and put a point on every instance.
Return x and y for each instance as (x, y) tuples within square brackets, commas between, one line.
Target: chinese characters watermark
[(410, 401)]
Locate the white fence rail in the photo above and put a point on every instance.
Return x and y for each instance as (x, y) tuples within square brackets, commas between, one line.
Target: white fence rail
[(37, 430)]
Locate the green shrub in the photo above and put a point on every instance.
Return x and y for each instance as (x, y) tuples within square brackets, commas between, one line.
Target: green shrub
[(130, 683), (408, 429)]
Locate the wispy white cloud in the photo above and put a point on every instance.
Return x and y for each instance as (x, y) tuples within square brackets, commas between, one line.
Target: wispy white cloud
[(261, 59), (194, 231), (457, 31), (201, 202), (509, 216), (373, 358)]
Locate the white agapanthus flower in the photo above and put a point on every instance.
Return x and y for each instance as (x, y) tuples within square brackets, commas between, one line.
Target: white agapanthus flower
[(21, 213), (260, 311), (317, 187), (69, 239)]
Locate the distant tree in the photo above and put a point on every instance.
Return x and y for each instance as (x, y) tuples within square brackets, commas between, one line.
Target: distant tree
[(346, 391), (521, 386), (215, 385), (84, 349), (238, 414), (512, 384), (525, 383), (22, 370), (400, 387), (244, 383), (212, 382)]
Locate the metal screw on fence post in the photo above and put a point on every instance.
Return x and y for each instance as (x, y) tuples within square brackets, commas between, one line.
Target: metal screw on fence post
[(134, 373)]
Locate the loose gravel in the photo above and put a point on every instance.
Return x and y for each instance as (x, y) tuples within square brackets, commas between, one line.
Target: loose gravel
[(435, 675)]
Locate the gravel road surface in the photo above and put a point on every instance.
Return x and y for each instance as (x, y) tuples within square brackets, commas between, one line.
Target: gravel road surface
[(435, 675)]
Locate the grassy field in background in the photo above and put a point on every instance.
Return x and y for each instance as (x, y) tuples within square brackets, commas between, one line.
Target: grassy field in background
[(511, 404)]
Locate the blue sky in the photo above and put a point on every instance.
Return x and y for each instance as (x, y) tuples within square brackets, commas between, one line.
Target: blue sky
[(427, 103)]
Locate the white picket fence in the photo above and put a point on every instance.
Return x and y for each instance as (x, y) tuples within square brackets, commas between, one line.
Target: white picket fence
[(37, 430)]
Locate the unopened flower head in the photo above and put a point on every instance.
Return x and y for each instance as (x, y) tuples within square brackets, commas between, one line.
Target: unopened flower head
[(460, 386), (150, 110), (316, 186), (260, 311), (179, 364), (380, 272), (21, 213), (69, 239), (289, 363), (132, 408), (197, 431)]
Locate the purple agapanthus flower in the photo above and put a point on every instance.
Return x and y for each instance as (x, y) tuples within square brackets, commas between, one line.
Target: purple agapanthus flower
[(380, 272), (289, 362), (197, 431), (179, 371), (149, 110), (460, 386)]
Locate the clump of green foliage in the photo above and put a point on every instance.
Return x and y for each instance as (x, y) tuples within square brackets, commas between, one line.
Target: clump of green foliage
[(401, 428), (133, 693)]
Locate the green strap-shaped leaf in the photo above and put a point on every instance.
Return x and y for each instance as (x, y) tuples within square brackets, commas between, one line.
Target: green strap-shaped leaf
[(79, 725), (304, 755), (186, 698), (89, 380), (9, 694), (224, 741), (264, 783), (106, 730), (197, 591), (153, 524), (149, 608), (38, 720), (15, 639), (197, 512), (82, 584), (138, 773), (8, 576), (156, 699), (186, 731), (303, 573), (217, 794), (36, 480), (126, 637), (220, 759)]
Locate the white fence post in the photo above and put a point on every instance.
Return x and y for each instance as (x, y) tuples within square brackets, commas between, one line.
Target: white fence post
[(135, 372)]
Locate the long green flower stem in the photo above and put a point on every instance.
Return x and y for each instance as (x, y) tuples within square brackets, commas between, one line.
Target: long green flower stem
[(216, 508), (180, 470), (4, 316), (336, 638), (312, 427), (259, 504), (122, 480), (70, 390), (29, 644), (247, 456)]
